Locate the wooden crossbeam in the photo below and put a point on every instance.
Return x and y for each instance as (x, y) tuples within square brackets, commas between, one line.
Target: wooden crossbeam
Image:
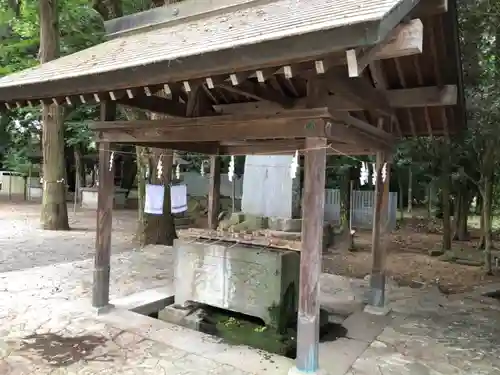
[(364, 127), (289, 124), (259, 147), (431, 96), (207, 148), (359, 92), (343, 131), (404, 40)]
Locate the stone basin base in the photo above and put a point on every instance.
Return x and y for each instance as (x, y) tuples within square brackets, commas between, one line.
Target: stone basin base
[(251, 280)]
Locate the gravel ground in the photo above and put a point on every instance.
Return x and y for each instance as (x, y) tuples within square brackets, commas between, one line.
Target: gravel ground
[(24, 245)]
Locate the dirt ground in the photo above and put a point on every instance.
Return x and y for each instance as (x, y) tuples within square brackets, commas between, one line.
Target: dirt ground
[(408, 261), (24, 245)]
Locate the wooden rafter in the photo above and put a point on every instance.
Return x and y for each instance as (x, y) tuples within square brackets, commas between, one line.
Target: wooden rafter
[(380, 82), (420, 81), (259, 92), (431, 96), (437, 61), (403, 40), (155, 104), (402, 81)]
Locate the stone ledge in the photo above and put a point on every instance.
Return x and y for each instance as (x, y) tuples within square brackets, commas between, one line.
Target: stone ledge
[(146, 302)]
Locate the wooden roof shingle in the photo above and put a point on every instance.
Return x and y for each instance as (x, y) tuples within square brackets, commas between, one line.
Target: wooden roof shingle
[(232, 31)]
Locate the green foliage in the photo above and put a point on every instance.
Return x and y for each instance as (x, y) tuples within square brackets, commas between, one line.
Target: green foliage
[(81, 27)]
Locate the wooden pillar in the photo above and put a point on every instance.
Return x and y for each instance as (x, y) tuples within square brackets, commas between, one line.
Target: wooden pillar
[(313, 209), (214, 192), (100, 292), (379, 233)]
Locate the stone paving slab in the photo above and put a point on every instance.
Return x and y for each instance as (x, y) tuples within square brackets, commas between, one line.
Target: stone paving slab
[(47, 327), (365, 327), (337, 357)]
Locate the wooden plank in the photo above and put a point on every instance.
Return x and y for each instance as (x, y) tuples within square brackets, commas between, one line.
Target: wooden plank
[(207, 148), (218, 133), (214, 192), (265, 238), (100, 290), (431, 96), (310, 262), (407, 41), (290, 124), (298, 114)]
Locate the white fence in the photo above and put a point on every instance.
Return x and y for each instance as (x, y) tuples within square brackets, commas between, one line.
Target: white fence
[(361, 210), (362, 201)]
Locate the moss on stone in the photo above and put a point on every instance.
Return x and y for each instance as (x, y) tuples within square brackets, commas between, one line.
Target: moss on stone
[(243, 332)]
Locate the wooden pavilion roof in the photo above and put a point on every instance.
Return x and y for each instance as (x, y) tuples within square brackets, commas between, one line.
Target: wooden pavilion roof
[(259, 55)]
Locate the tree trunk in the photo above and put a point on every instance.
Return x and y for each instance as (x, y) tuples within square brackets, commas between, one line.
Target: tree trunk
[(430, 193), (481, 243), (446, 214), (410, 190), (142, 177), (158, 229), (462, 214), (401, 198), (488, 242), (345, 200), (78, 173), (129, 172), (479, 205), (445, 196), (108, 9), (54, 214)]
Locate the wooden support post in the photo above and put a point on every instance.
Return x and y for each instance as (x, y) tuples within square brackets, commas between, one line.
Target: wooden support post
[(214, 192), (77, 178), (379, 234), (313, 209), (100, 292)]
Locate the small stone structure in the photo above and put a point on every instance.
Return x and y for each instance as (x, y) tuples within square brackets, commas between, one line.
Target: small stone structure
[(252, 280), (88, 197)]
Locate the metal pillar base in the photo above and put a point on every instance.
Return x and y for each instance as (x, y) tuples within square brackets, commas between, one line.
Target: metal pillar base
[(380, 311), (103, 310), (295, 371), (377, 290), (100, 287)]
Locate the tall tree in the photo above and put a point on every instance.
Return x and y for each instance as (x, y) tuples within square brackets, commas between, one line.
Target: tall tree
[(151, 229), (54, 209)]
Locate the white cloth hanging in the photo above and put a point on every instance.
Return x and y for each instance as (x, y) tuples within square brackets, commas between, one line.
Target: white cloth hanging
[(178, 198), (155, 196)]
